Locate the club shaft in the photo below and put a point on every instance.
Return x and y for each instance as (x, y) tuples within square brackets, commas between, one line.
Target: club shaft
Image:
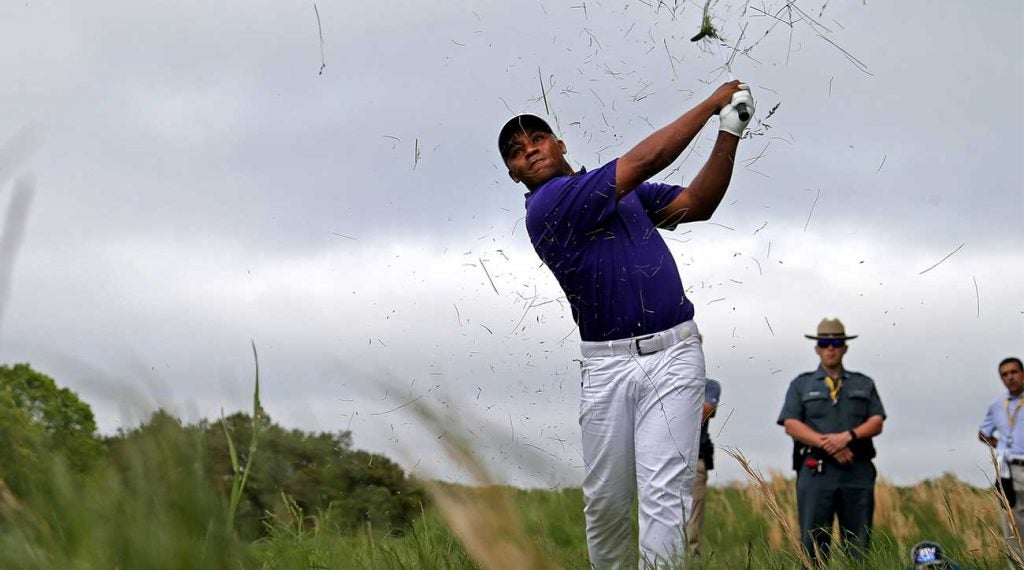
[(741, 109)]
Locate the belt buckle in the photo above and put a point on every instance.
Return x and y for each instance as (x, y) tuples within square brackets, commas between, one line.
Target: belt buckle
[(636, 345)]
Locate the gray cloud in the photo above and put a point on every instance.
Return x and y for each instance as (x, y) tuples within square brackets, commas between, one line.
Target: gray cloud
[(196, 172)]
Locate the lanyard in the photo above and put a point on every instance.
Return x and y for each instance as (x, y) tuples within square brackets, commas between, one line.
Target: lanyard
[(1012, 419), (835, 385)]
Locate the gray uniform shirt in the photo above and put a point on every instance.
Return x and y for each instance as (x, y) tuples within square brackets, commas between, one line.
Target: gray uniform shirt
[(809, 401)]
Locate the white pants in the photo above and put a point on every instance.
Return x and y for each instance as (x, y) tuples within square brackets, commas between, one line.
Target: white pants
[(640, 416)]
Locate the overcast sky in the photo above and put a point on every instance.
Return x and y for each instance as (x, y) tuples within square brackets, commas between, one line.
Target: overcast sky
[(199, 182)]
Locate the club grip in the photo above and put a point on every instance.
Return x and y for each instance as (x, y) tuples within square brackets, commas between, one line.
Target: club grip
[(743, 112)]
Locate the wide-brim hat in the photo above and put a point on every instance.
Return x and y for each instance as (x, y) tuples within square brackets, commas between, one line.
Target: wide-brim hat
[(518, 124), (830, 329)]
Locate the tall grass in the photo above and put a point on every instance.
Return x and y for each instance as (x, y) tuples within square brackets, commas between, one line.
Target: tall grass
[(749, 526), (153, 507), (1008, 519), (239, 474), (484, 517), (157, 511), (768, 496), (737, 534)]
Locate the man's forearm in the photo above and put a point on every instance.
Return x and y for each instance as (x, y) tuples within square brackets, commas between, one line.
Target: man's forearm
[(803, 433), (662, 147), (709, 186), (870, 428)]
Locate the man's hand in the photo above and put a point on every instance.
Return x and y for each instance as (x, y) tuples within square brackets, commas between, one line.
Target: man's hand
[(662, 147), (722, 96), (729, 116), (833, 442), (843, 456), (709, 410), (988, 440)]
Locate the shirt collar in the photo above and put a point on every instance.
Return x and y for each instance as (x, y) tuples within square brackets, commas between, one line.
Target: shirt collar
[(582, 170), (820, 373)]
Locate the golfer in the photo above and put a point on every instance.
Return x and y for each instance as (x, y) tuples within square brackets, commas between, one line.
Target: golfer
[(643, 367)]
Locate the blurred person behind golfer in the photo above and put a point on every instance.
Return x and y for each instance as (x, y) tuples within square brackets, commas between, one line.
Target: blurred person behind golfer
[(643, 368), (705, 463)]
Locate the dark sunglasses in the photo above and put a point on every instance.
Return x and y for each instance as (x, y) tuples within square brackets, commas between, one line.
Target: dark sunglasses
[(833, 342)]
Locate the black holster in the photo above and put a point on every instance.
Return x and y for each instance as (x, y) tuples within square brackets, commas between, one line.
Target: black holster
[(707, 453), (800, 451), (1005, 485)]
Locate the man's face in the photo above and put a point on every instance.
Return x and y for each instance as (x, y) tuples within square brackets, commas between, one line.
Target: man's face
[(1013, 377), (831, 356), (534, 157)]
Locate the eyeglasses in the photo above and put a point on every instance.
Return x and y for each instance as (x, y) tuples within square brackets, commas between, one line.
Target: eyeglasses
[(833, 342)]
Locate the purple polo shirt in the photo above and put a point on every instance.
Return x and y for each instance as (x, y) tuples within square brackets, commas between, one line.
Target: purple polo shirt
[(611, 262)]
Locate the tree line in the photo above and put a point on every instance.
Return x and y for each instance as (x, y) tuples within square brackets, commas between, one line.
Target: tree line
[(50, 435)]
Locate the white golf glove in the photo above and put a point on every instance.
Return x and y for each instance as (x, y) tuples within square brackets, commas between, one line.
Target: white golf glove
[(729, 116)]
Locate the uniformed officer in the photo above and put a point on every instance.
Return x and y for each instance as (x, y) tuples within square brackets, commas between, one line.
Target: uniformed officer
[(832, 414)]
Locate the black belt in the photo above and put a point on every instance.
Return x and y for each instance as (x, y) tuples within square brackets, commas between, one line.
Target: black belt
[(1016, 461)]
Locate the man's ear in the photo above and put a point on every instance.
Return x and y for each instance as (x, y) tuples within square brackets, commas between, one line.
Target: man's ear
[(513, 176), (561, 145)]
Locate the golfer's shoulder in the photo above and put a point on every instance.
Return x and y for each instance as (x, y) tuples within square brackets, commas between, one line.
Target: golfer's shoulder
[(602, 177), (572, 187)]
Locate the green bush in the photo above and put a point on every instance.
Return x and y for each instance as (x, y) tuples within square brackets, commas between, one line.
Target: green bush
[(59, 422), (320, 472)]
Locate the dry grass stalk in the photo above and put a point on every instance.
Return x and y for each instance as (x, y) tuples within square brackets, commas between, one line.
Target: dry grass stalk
[(784, 491), (768, 497), (485, 518), (488, 526), (964, 504), (1007, 510), (891, 514), (9, 504), (999, 541), (753, 497)]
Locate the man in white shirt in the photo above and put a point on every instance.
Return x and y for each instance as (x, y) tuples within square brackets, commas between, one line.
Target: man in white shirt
[(1004, 417)]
